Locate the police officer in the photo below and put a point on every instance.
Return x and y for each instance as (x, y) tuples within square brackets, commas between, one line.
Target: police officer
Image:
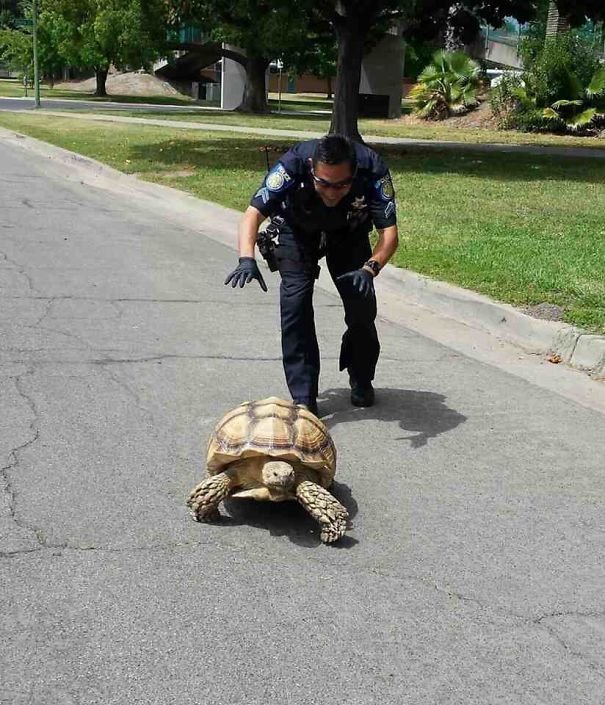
[(323, 197)]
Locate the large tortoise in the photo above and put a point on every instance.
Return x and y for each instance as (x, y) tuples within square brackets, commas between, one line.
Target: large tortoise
[(272, 450)]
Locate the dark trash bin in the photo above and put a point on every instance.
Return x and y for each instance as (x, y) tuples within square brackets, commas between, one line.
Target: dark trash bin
[(373, 105)]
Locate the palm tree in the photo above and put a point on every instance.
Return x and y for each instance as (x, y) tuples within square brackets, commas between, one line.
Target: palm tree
[(447, 86), (573, 114)]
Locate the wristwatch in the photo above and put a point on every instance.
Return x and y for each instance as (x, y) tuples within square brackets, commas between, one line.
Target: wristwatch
[(373, 265)]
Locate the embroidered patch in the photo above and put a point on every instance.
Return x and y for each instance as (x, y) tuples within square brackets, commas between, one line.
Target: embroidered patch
[(262, 193), (359, 203), (385, 188), (390, 209), (277, 178)]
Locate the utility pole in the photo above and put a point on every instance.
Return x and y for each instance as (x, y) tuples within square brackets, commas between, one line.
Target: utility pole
[(35, 38)]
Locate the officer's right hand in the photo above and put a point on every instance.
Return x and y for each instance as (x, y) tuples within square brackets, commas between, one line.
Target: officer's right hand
[(245, 272), (360, 280)]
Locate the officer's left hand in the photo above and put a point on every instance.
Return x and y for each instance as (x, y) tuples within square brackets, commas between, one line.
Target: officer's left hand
[(361, 280), (245, 272)]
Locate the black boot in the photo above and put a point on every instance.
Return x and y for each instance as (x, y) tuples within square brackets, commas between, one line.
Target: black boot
[(362, 394), (310, 404)]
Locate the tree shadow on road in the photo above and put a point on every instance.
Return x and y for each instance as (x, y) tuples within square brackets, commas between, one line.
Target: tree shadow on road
[(424, 415), (288, 518)]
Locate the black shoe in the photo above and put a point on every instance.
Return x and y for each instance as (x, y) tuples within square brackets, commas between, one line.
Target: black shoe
[(362, 394), (311, 406)]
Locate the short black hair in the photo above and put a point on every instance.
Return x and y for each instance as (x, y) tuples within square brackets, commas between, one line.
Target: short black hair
[(334, 149)]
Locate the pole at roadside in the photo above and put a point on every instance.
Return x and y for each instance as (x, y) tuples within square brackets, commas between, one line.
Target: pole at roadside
[(280, 66), (35, 39)]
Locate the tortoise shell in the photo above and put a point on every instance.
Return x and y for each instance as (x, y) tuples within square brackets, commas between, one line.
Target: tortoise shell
[(275, 428)]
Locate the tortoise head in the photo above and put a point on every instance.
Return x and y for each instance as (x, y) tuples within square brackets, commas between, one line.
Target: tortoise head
[(278, 475)]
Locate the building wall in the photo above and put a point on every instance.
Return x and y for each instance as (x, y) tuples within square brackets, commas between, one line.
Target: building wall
[(313, 84), (301, 84), (382, 71)]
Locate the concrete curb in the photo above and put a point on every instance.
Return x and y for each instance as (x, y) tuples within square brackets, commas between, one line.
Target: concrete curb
[(563, 342)]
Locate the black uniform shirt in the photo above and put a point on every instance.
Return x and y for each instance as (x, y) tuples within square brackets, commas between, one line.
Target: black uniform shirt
[(288, 191)]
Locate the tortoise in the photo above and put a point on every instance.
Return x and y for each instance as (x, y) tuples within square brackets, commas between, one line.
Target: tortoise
[(272, 450)]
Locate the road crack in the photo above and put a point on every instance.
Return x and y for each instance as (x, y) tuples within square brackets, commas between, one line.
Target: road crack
[(20, 269), (14, 458), (542, 622)]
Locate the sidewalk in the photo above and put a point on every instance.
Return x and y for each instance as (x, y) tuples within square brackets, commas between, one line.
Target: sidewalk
[(455, 315), (575, 152)]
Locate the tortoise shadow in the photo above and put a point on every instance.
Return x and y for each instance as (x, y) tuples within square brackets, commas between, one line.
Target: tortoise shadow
[(423, 414), (288, 518)]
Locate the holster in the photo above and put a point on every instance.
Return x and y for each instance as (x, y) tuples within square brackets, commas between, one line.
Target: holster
[(266, 241)]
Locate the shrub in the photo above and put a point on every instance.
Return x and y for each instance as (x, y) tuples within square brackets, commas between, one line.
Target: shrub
[(561, 71), (504, 98), (584, 113), (561, 90), (514, 108)]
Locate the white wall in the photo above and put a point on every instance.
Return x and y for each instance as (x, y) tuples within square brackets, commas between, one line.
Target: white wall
[(233, 80), (382, 71)]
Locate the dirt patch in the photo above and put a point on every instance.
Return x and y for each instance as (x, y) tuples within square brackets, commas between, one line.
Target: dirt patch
[(130, 83), (481, 117), (547, 312), (179, 174)]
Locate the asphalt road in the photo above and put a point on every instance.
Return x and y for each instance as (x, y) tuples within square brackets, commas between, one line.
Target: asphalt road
[(475, 568)]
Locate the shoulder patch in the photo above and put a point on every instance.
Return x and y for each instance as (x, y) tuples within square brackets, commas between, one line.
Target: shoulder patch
[(385, 189), (278, 179)]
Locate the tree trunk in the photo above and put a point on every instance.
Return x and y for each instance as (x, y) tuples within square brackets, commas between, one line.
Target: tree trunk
[(101, 76), (255, 90), (350, 33), (555, 23)]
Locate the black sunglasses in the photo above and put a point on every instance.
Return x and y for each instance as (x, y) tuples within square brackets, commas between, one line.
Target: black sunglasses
[(333, 184)]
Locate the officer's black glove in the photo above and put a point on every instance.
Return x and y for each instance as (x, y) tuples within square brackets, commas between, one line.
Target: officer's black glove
[(360, 280), (245, 272)]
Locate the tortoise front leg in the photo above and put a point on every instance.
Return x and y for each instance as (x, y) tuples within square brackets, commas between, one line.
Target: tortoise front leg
[(325, 508), (205, 497)]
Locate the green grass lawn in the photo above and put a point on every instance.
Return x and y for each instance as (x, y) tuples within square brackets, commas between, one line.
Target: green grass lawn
[(379, 128), (521, 228)]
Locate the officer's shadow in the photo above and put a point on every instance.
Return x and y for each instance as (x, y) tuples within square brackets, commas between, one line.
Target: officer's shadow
[(422, 415)]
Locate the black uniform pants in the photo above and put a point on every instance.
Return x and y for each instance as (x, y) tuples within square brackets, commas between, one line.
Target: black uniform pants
[(297, 257)]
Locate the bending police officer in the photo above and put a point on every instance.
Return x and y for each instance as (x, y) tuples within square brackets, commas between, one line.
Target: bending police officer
[(323, 198)]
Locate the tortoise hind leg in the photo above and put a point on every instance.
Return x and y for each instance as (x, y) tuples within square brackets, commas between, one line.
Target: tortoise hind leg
[(325, 508), (205, 497)]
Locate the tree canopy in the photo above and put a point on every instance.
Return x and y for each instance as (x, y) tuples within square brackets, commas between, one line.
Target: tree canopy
[(95, 34), (9, 11), (300, 32), (261, 29), (577, 11)]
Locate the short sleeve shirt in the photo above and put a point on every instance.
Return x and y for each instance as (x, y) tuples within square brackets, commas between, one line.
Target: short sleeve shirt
[(288, 191)]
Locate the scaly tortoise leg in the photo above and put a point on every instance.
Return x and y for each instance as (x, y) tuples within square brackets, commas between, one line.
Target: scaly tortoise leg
[(205, 497), (325, 508)]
